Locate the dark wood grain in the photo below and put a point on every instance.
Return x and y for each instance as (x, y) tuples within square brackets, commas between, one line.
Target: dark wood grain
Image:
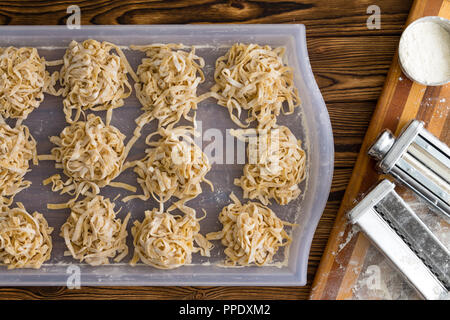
[(323, 17), (350, 64), (351, 68)]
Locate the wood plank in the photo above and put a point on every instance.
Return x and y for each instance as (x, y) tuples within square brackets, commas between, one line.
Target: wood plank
[(150, 293), (351, 68), (323, 17), (349, 121)]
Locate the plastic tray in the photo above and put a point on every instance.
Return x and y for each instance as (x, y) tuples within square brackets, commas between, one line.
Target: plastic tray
[(309, 123)]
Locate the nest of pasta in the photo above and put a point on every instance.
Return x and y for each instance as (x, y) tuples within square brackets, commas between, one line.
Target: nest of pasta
[(173, 166), (168, 81), (23, 81), (90, 153), (251, 233), (254, 78), (276, 166), (166, 241), (93, 78), (92, 232), (25, 240), (17, 148)]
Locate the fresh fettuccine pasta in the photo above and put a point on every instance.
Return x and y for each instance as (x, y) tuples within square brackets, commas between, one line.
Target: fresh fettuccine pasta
[(255, 79), (173, 166), (17, 148), (277, 166), (251, 233), (92, 232), (23, 81), (168, 81), (91, 155), (166, 241), (25, 240), (93, 78)]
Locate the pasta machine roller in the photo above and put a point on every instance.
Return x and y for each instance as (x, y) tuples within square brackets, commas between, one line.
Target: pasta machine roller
[(418, 160), (405, 240)]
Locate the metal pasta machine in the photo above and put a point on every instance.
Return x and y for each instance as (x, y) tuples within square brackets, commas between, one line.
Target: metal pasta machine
[(421, 162)]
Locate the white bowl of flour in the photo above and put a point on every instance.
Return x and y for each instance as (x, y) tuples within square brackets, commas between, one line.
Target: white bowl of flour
[(424, 51)]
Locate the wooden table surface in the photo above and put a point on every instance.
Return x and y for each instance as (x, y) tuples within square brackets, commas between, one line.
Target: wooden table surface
[(350, 63)]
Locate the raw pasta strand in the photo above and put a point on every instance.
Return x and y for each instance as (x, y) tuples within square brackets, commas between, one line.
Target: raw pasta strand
[(278, 170), (173, 166), (93, 78), (251, 233), (23, 81), (17, 148), (166, 241), (254, 78), (168, 81), (92, 232), (91, 155), (25, 240)]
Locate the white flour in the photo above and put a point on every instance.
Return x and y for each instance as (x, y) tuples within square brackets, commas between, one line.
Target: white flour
[(425, 52)]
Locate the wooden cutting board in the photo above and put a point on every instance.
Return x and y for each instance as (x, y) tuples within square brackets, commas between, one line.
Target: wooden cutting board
[(401, 100)]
